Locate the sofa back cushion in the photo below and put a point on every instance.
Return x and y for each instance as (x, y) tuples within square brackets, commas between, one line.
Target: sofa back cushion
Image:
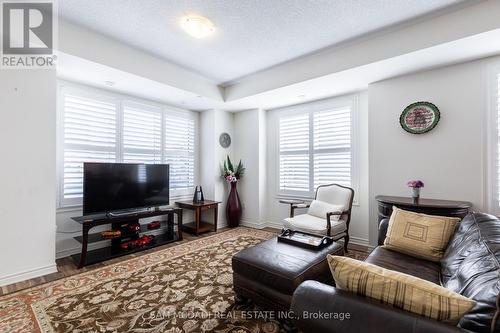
[(471, 267)]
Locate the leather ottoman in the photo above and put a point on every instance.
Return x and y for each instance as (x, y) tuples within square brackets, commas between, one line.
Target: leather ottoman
[(268, 273)]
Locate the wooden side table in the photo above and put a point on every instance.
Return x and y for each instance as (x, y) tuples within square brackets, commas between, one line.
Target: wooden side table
[(198, 226), (426, 206)]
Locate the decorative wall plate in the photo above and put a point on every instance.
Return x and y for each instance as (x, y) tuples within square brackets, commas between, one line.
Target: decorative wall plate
[(225, 140), (419, 117)]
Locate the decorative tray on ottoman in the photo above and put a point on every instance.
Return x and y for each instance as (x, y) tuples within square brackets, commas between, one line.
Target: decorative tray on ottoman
[(305, 240)]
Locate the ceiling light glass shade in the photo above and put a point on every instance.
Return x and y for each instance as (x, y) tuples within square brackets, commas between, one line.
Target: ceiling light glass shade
[(197, 26)]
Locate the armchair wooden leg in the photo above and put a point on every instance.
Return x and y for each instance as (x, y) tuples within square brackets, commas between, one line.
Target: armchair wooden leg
[(346, 241)]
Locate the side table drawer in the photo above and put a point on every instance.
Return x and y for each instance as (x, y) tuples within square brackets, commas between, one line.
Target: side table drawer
[(209, 207)]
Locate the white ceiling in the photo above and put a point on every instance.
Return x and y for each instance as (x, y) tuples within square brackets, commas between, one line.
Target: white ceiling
[(251, 35)]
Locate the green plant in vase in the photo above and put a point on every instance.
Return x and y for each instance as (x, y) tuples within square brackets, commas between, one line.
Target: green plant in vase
[(230, 174)]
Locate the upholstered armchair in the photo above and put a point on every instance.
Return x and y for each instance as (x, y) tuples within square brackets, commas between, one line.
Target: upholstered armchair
[(328, 214)]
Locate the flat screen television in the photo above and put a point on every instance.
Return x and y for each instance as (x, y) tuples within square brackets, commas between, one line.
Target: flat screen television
[(111, 187)]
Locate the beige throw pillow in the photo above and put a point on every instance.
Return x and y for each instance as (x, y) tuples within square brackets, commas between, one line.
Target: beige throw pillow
[(399, 290), (320, 209), (419, 235)]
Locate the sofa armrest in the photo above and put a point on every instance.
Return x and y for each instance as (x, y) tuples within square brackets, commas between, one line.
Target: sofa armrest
[(312, 299), (382, 230)]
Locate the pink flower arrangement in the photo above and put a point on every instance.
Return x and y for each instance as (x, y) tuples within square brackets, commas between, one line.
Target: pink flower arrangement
[(231, 174), (415, 183), (231, 179)]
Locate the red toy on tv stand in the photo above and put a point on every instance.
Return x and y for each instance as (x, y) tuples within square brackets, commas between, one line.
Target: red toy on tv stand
[(143, 241)]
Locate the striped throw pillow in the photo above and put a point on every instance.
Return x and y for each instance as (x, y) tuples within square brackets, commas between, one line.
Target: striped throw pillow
[(400, 290)]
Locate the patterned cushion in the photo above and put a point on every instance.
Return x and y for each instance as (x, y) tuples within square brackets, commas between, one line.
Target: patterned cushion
[(419, 235), (399, 290)]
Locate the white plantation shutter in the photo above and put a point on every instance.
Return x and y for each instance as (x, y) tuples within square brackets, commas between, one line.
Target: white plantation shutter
[(109, 128), (294, 153), (142, 134), (180, 150), (332, 147), (89, 136), (315, 148)]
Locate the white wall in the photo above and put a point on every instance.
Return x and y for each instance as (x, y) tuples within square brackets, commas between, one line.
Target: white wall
[(250, 147), (450, 158), (276, 211), (28, 169), (212, 124), (359, 227)]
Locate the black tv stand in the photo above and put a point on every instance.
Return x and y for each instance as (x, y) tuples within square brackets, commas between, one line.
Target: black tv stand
[(117, 221), (127, 212)]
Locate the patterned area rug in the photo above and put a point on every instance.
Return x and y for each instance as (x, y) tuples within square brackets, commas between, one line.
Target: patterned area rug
[(184, 288)]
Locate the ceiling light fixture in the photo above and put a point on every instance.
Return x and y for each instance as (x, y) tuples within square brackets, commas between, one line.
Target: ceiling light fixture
[(197, 26)]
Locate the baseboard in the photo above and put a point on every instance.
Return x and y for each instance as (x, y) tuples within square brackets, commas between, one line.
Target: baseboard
[(26, 275), (274, 224), (359, 241), (74, 250), (253, 224), (221, 224)]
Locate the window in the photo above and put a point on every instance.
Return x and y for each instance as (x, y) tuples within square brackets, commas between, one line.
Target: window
[(179, 151), (332, 147), (109, 128), (494, 161), (89, 136), (294, 153), (142, 133), (315, 147)]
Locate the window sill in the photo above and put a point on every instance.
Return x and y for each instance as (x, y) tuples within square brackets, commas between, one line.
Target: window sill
[(68, 209)]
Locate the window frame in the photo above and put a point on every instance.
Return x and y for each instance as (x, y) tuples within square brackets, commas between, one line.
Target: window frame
[(351, 101), (120, 100), (493, 141)]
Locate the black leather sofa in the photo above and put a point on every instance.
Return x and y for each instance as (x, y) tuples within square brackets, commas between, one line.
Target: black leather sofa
[(470, 266)]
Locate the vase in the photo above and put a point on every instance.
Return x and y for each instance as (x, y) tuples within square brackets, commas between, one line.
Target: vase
[(415, 192), (233, 207)]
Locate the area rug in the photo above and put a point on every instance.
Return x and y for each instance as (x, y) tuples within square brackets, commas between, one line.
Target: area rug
[(184, 288)]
